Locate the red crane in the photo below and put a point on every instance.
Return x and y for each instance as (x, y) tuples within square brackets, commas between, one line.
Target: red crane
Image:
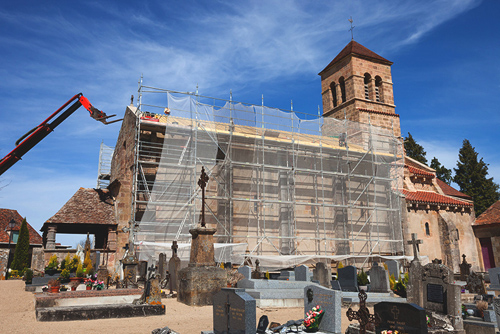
[(35, 135)]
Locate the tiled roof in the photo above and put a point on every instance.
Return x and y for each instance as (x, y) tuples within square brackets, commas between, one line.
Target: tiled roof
[(418, 171), (6, 216), (355, 48), (432, 198), (377, 112), (87, 206), (490, 216), (450, 191)]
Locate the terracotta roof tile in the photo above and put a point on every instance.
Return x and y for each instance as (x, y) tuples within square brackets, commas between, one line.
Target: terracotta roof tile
[(355, 48), (490, 216), (87, 206), (450, 191), (6, 215), (433, 198), (418, 171)]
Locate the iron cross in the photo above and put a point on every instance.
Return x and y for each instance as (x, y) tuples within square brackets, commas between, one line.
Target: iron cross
[(202, 182), (363, 314), (352, 28), (415, 242)]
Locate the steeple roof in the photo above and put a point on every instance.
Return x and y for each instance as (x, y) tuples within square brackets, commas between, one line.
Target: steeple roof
[(359, 50)]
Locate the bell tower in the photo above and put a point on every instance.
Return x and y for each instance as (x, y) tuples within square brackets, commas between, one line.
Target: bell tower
[(357, 85)]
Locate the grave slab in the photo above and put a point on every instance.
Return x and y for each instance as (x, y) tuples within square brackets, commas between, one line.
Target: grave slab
[(403, 317)]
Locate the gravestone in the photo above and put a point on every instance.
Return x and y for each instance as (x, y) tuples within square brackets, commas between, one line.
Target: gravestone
[(336, 285), (440, 295), (162, 265), (348, 278), (102, 274), (494, 274), (234, 311), (245, 271), (154, 297), (130, 264), (393, 267), (322, 274), (464, 269), (496, 307), (379, 279), (403, 317), (475, 283), (287, 275), (256, 274), (331, 303), (302, 273), (143, 270), (174, 265), (262, 324)]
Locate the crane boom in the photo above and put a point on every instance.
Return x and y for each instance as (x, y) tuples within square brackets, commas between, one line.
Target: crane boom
[(37, 134)]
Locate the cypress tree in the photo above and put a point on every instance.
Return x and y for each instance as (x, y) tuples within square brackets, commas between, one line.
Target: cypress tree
[(471, 177), (442, 173), (21, 254), (414, 150)]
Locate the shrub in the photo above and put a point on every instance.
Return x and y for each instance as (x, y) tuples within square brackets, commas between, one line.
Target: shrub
[(392, 281), (340, 265), (75, 261), (53, 262), (79, 270), (65, 274), (28, 275), (363, 278), (21, 254), (89, 269), (54, 282)]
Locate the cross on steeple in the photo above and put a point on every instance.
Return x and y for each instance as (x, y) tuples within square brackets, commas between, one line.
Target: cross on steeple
[(202, 182), (352, 28), (415, 242)]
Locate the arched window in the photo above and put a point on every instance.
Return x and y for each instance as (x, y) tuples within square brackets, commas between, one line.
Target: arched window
[(378, 89), (334, 94), (342, 88), (427, 231), (368, 79)]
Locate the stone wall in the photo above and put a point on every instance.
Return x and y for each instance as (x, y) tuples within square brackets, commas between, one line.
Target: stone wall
[(4, 255)]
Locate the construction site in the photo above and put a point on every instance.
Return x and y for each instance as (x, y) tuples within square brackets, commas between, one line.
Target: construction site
[(284, 187)]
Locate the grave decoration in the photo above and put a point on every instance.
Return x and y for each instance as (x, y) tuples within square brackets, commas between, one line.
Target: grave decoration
[(313, 319), (464, 269), (475, 283), (262, 324), (363, 314), (331, 304)]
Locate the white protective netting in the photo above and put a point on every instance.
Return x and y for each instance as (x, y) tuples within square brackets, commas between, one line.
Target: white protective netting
[(284, 188)]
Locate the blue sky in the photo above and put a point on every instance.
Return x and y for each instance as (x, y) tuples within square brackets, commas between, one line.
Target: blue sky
[(446, 72)]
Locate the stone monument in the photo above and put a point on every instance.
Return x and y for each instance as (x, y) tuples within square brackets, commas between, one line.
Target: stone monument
[(201, 279), (174, 265), (464, 269)]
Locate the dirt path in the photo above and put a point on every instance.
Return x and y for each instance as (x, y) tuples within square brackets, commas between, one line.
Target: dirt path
[(17, 311)]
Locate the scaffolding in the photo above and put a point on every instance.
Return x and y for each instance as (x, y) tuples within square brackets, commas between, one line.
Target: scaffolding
[(289, 187), (104, 170)]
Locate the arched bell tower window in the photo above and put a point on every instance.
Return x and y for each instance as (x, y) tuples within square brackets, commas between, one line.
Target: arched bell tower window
[(368, 79), (427, 230), (334, 94), (378, 89), (342, 89)]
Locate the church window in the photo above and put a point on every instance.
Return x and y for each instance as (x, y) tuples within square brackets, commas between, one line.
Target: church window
[(427, 230), (342, 89), (368, 79), (334, 94), (378, 89)]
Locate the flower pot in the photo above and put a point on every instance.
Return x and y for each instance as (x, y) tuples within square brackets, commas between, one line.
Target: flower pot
[(73, 288), (54, 289), (363, 288), (88, 288)]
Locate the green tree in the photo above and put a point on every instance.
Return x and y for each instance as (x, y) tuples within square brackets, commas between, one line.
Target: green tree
[(21, 254), (471, 177), (442, 173), (414, 150)]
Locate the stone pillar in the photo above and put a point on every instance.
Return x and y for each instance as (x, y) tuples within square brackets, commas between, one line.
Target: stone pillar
[(4, 256), (201, 279), (112, 238), (38, 259), (51, 237)]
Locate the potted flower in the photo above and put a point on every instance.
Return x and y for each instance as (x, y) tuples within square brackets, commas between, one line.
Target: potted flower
[(45, 288), (89, 283), (54, 285), (74, 284), (98, 285), (51, 268), (79, 272), (63, 288)]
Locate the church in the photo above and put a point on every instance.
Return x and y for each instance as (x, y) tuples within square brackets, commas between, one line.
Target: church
[(284, 189)]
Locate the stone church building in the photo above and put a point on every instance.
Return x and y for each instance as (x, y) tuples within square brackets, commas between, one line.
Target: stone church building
[(356, 88)]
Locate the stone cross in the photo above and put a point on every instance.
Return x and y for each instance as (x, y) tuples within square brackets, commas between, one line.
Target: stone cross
[(174, 248), (464, 269), (363, 314), (415, 242), (202, 182)]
